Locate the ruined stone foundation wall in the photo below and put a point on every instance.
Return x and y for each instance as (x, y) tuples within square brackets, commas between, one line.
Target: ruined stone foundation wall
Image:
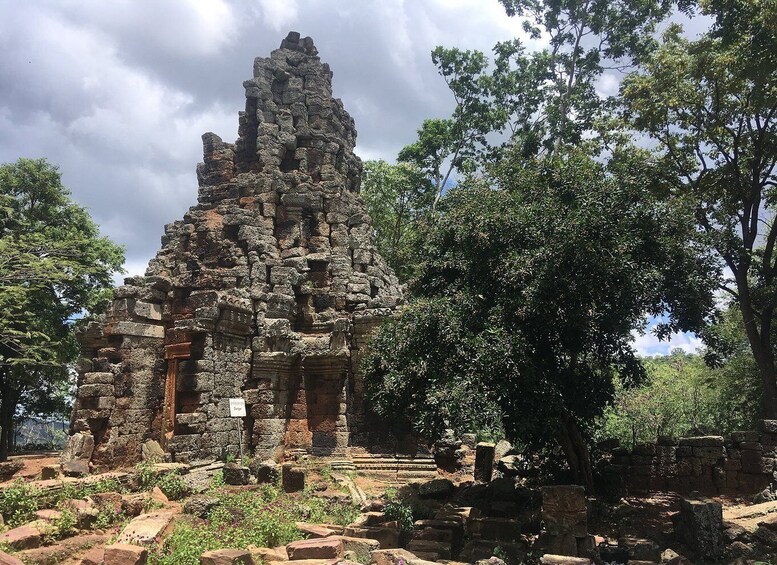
[(742, 463), (267, 289)]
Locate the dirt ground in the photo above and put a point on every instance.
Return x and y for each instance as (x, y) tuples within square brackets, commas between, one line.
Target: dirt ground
[(33, 463)]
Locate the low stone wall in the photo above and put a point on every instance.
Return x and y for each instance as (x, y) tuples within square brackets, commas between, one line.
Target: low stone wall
[(743, 463)]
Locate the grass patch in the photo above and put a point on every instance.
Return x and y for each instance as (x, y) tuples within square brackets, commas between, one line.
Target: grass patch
[(263, 517)]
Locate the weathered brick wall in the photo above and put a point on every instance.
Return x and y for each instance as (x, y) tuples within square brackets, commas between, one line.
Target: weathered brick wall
[(266, 289), (742, 463)]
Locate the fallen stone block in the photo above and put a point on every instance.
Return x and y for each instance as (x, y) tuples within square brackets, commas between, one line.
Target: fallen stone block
[(437, 488), (146, 528), (324, 548), (75, 467), (200, 505), (133, 504), (395, 557), (265, 471), (497, 529), (388, 538), (6, 559), (440, 549), (49, 472), (699, 525), (23, 537), (358, 549), (158, 496), (48, 515), (95, 556), (267, 554), (227, 557), (434, 534), (370, 519), (641, 549), (61, 551), (125, 554), (85, 512), (550, 559), (563, 498), (152, 452), (236, 475), (314, 530), (484, 462), (293, 478)]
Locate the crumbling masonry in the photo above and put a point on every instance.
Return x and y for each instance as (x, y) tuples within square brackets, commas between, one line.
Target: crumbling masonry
[(265, 290)]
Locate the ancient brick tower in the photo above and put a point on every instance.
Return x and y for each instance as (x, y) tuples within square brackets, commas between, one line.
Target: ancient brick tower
[(265, 290)]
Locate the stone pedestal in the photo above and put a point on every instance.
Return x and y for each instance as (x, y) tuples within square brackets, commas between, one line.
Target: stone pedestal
[(484, 462), (293, 478), (699, 525), (566, 520)]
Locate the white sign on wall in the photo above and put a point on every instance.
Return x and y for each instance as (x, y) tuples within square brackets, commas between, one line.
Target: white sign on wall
[(237, 407)]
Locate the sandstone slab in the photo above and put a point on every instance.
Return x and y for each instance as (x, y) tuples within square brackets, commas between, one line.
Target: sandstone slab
[(325, 548), (227, 557), (146, 528), (23, 537), (125, 554), (6, 559)]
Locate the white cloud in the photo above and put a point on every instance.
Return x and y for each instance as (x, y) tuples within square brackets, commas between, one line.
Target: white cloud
[(648, 345), (118, 93), (278, 14)]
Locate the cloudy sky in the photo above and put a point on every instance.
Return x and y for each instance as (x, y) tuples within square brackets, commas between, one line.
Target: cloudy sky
[(118, 93)]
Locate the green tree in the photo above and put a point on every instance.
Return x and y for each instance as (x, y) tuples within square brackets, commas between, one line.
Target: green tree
[(711, 105), (398, 197), (536, 101), (530, 291), (54, 267), (684, 396)]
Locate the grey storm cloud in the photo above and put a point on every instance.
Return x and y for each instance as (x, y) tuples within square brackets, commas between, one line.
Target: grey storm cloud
[(117, 94)]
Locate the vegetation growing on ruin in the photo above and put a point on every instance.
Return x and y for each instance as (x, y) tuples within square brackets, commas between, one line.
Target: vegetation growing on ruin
[(264, 517)]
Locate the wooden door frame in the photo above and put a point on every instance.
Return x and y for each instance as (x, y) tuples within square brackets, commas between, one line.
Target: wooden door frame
[(173, 353)]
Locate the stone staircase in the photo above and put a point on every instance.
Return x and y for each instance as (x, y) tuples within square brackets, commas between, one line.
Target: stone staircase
[(442, 537), (395, 469)]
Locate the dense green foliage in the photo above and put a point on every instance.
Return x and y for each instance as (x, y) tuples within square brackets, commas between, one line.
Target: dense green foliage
[(711, 105), (562, 237), (527, 298), (54, 266), (682, 396), (398, 198)]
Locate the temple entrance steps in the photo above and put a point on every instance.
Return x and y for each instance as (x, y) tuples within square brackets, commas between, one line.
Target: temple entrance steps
[(388, 468), (395, 468)]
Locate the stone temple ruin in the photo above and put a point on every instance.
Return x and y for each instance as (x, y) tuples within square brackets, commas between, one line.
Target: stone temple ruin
[(265, 290)]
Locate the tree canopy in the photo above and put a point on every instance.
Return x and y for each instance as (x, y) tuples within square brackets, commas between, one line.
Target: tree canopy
[(527, 298), (711, 104), (54, 267)]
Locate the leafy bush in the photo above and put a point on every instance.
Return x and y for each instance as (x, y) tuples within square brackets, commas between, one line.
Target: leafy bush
[(65, 524), (217, 480), (145, 475), (173, 486), (107, 517), (18, 503), (402, 513)]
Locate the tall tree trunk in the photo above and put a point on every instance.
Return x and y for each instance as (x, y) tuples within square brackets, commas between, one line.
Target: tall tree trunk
[(576, 451), (6, 424), (760, 345)]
